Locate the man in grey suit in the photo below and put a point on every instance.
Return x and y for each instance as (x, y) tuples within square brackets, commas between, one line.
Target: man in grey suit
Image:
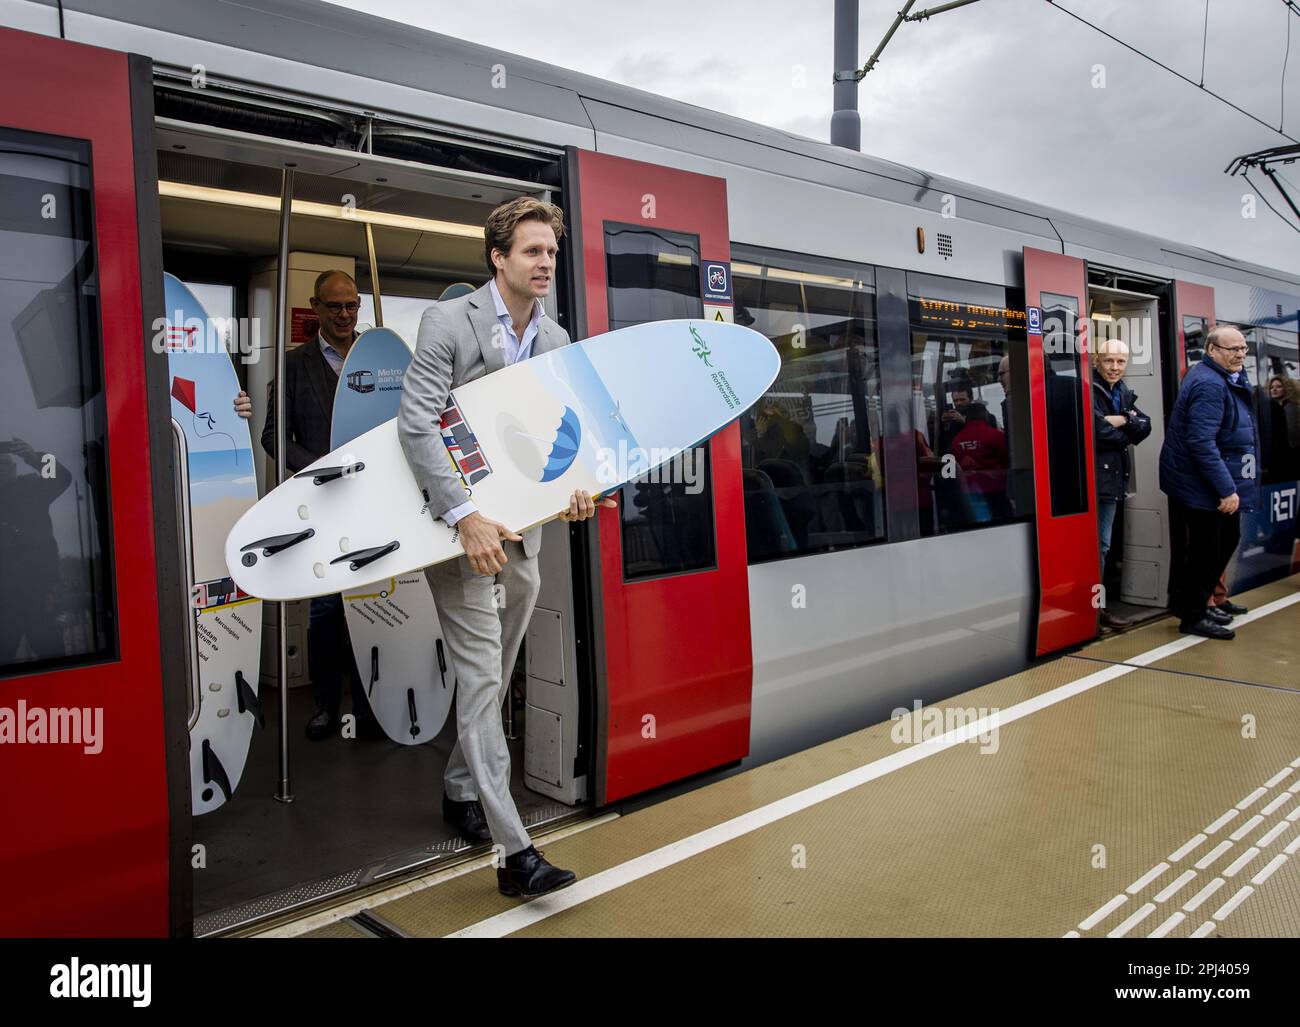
[(486, 598)]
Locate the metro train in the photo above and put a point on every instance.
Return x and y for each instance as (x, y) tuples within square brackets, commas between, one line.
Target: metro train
[(850, 546)]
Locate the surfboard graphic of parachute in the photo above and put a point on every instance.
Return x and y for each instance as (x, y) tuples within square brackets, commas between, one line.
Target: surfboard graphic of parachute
[(216, 456)]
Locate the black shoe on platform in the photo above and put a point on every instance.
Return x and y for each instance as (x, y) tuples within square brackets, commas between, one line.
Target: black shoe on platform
[(1233, 609), (1206, 628), (321, 724), (467, 818), (1218, 615), (528, 874)]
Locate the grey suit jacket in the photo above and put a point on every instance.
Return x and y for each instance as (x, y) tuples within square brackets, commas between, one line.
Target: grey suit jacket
[(459, 340)]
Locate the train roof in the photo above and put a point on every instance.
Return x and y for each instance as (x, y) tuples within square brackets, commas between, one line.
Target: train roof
[(386, 51)]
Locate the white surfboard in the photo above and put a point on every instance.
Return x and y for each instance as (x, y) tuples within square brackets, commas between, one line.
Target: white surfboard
[(397, 642), (593, 416), (218, 455)]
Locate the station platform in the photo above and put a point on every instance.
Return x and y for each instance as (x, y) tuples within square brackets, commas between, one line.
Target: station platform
[(1146, 785)]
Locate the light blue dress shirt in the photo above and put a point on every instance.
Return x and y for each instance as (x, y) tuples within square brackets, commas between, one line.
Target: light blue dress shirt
[(332, 356), (516, 350)]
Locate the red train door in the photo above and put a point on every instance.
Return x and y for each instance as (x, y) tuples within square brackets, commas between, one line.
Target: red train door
[(1060, 383), (1193, 319), (674, 663), (84, 773)]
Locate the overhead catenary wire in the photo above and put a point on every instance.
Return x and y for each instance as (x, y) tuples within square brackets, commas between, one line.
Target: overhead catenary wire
[(1160, 64), (905, 14), (1285, 220), (1205, 35), (1281, 118)]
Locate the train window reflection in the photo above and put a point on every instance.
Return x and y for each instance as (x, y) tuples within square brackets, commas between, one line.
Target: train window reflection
[(1278, 404), (970, 382), (1062, 370), (810, 448), (1194, 332), (56, 584), (666, 516)]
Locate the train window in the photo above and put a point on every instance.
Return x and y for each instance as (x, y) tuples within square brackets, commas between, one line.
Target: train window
[(1068, 475), (810, 448), (667, 515), (56, 575), (1194, 332), (1278, 399), (970, 381)]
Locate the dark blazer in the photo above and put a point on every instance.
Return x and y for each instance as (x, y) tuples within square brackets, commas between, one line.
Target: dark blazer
[(1111, 444), (309, 386), (1211, 433)]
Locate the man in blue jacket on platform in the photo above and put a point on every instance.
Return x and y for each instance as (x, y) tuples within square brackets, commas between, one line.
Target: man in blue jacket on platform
[(1209, 471)]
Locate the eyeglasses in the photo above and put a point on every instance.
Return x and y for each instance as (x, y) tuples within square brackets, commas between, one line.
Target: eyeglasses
[(338, 308), (1234, 349)]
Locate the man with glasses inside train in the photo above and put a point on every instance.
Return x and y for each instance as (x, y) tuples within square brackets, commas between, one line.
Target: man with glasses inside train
[(1208, 469), (311, 376), (1117, 425)]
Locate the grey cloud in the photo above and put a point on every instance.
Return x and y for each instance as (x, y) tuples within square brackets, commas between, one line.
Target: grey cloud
[(998, 94)]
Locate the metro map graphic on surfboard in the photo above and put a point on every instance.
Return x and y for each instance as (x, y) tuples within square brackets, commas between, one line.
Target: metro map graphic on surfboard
[(218, 455), (393, 624), (592, 415)]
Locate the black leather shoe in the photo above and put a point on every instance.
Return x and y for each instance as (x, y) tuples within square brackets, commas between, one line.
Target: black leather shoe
[(321, 724), (1207, 628), (1109, 620), (1233, 609), (527, 874), (1217, 615), (467, 818)]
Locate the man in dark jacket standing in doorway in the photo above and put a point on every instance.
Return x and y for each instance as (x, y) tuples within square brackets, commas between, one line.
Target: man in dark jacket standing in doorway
[(1208, 469), (1117, 424)]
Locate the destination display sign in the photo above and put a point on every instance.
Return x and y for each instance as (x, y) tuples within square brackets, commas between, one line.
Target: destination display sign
[(950, 314)]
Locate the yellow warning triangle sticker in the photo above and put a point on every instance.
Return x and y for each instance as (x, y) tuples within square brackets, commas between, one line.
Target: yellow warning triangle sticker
[(718, 316)]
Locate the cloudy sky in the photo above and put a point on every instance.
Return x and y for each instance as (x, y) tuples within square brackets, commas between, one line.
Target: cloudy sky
[(1000, 93)]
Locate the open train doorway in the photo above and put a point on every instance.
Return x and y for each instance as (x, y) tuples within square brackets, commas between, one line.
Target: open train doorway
[(365, 807), (1136, 575)]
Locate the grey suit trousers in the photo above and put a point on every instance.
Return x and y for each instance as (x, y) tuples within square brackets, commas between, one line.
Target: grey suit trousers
[(483, 623)]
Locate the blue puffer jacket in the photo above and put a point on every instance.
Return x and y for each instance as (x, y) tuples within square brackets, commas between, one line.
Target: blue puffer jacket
[(1211, 433)]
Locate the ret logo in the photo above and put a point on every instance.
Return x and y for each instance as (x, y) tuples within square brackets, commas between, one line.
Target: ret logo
[(1284, 505)]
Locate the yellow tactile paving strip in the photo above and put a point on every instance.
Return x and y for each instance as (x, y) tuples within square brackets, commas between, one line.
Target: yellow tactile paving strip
[(1119, 648), (340, 929), (473, 897), (1079, 802), (1001, 844)]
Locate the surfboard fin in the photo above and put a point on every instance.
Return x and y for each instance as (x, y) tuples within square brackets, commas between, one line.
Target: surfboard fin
[(374, 670), (323, 474), (214, 772), (442, 662), (410, 706), (273, 544), (361, 557), (248, 700)]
